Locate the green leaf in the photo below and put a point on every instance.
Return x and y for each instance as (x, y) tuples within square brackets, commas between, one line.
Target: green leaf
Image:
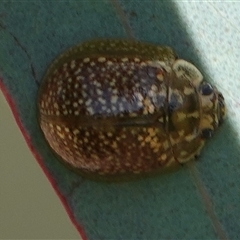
[(200, 201)]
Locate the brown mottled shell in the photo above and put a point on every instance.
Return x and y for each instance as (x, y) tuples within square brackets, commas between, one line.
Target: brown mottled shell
[(112, 107)]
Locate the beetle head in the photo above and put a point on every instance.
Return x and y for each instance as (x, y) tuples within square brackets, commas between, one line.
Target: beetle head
[(211, 101)]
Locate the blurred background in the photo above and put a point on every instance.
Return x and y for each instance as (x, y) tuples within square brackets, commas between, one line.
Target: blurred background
[(29, 207)]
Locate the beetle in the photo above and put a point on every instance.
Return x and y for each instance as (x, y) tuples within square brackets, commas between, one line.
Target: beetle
[(114, 107)]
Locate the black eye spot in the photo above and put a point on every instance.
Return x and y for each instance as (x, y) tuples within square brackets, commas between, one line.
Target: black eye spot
[(207, 133), (205, 88)]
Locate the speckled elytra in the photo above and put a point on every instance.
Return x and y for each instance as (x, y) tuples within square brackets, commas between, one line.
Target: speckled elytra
[(112, 107)]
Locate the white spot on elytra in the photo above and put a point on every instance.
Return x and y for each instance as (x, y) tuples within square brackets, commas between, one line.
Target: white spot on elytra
[(86, 60), (92, 75), (90, 110), (75, 104), (101, 59), (99, 92), (55, 105), (151, 109), (73, 64), (80, 78), (66, 74), (77, 71), (114, 99), (75, 131), (124, 59), (109, 63), (88, 102), (102, 101), (140, 104)]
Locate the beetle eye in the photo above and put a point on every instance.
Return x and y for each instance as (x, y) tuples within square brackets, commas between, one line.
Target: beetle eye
[(205, 88), (207, 133)]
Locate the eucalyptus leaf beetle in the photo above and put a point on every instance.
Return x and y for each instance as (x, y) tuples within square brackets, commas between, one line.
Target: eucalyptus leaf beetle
[(115, 107)]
